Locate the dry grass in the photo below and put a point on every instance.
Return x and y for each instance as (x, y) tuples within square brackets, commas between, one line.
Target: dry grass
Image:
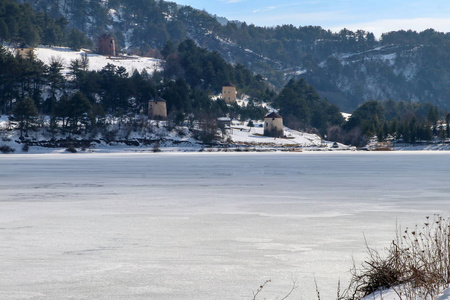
[(416, 265), (255, 294)]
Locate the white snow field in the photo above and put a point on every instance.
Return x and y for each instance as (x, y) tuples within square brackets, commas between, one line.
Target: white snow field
[(204, 225), (96, 61)]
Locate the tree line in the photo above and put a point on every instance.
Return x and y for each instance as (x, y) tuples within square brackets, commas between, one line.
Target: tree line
[(21, 24), (348, 67), (398, 121), (28, 87), (82, 99), (153, 23)]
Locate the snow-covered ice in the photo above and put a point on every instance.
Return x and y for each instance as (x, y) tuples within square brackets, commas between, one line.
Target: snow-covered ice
[(204, 225)]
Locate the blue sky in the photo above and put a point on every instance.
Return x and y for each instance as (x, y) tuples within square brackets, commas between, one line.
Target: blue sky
[(375, 16)]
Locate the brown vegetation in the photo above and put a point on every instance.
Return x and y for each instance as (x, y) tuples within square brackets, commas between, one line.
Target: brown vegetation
[(416, 266)]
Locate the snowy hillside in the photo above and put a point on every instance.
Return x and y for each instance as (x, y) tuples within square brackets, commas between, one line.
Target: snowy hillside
[(346, 67), (238, 137), (241, 133), (96, 61), (182, 138)]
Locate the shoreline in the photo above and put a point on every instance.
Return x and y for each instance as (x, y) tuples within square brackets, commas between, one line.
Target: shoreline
[(213, 150)]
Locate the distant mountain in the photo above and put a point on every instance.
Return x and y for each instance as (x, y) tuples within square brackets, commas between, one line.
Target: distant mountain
[(346, 67)]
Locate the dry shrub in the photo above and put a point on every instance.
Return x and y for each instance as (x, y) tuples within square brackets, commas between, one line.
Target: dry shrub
[(71, 149), (5, 149), (416, 265), (156, 147), (261, 287)]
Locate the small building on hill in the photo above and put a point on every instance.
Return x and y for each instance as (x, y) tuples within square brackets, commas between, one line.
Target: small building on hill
[(224, 122), (106, 45), (157, 109), (24, 51), (273, 125), (229, 93)]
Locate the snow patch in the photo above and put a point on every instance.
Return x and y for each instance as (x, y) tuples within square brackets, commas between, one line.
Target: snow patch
[(96, 61)]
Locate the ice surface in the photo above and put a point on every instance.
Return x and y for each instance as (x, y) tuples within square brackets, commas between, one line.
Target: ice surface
[(204, 225)]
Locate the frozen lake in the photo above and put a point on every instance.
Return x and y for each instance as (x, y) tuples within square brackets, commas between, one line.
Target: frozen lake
[(205, 225)]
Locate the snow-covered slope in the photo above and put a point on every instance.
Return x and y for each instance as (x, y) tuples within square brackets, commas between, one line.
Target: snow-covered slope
[(96, 61), (241, 133), (237, 137)]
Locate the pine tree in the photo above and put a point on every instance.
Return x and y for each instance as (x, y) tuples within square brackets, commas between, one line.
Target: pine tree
[(79, 108), (54, 77), (62, 110), (433, 115), (25, 112)]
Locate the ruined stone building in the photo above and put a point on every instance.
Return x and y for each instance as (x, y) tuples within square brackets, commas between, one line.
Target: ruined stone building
[(106, 45)]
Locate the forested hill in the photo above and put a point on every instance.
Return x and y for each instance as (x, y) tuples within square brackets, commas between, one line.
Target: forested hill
[(346, 67)]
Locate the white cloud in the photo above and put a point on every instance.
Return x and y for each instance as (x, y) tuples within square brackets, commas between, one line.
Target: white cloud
[(273, 7), (265, 9)]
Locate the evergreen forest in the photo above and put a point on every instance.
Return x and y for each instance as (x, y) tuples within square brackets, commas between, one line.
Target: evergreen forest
[(31, 89), (347, 67)]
